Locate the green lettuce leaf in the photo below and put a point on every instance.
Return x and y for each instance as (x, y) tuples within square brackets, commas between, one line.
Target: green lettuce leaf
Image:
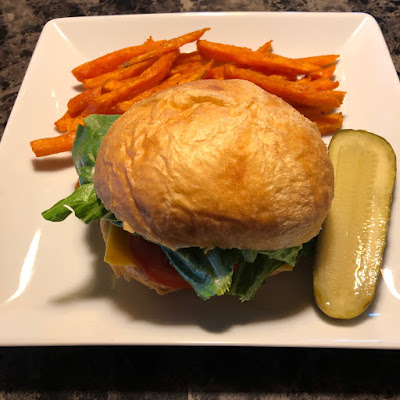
[(249, 277), (83, 201), (288, 255), (87, 143), (308, 248), (208, 273), (212, 274)]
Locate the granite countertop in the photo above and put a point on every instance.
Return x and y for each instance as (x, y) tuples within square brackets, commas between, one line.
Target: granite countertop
[(182, 372)]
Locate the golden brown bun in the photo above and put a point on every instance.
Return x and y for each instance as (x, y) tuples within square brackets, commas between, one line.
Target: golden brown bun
[(216, 163), (131, 271)]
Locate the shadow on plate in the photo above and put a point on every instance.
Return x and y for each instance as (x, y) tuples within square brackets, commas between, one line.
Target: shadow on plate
[(282, 296), (51, 164)]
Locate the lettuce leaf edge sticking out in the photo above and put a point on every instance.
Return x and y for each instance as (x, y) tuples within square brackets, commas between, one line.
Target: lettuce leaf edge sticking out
[(83, 201), (209, 273)]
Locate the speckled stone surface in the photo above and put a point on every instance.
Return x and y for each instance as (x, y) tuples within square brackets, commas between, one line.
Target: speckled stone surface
[(197, 373)]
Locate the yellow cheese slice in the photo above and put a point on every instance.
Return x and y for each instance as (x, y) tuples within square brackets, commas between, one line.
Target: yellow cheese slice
[(118, 252)]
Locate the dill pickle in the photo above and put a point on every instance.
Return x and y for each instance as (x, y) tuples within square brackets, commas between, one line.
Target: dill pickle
[(353, 237)]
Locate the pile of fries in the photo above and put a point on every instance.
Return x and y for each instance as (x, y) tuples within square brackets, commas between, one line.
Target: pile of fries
[(116, 81)]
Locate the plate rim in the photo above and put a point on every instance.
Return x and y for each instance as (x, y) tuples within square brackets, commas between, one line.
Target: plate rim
[(355, 16)]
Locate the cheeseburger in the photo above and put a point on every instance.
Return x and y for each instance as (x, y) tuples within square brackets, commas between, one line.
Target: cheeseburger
[(212, 185)]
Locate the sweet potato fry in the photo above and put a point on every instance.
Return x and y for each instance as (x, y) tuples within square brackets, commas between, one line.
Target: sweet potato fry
[(265, 48), (78, 103), (314, 113), (322, 61), (325, 73), (112, 84), (243, 56), (339, 95), (185, 68), (53, 145), (184, 58), (174, 80), (168, 46), (111, 61), (292, 92), (133, 86), (280, 78), (73, 125), (125, 105), (329, 123), (185, 61), (215, 73), (321, 84), (305, 79), (62, 123), (118, 74)]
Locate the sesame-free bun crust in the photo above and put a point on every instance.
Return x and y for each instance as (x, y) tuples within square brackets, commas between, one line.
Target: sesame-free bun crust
[(216, 163)]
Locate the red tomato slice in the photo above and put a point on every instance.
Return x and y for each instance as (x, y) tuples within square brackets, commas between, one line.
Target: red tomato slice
[(155, 264)]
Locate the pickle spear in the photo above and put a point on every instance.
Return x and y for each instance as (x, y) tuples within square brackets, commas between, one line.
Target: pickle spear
[(353, 237)]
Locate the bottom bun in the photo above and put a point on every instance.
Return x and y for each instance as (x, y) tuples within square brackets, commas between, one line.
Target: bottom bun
[(131, 271)]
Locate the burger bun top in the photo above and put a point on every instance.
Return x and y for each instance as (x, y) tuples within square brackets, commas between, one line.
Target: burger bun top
[(216, 164)]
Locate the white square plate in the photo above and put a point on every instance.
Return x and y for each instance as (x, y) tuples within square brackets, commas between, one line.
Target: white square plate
[(54, 286)]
